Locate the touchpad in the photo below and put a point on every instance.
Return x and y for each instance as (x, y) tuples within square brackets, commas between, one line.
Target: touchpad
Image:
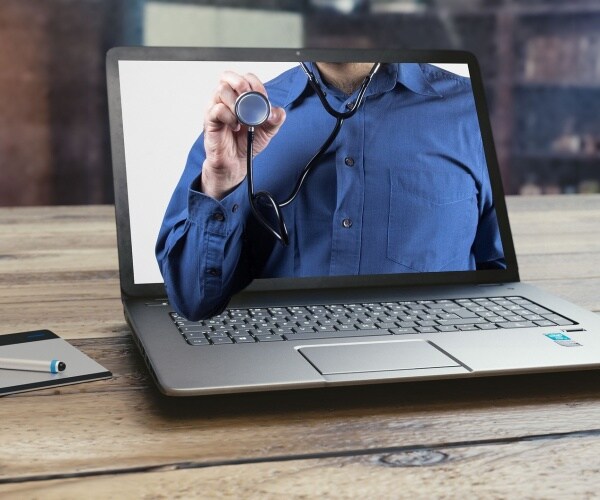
[(360, 357)]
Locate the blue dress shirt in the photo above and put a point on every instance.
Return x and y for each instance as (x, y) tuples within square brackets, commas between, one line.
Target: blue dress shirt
[(404, 188)]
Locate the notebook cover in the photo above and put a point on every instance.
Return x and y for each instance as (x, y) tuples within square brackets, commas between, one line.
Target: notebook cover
[(45, 345)]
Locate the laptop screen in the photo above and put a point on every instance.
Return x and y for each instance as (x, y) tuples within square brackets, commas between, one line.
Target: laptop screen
[(402, 188)]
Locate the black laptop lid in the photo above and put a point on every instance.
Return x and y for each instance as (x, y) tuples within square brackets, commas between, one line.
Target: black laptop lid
[(429, 207)]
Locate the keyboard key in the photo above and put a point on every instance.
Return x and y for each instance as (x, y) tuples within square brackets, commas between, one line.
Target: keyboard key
[(186, 329), (221, 340), (385, 325), (514, 318), (450, 316), (559, 320), (517, 324), (194, 335), (402, 331), (303, 329), (532, 317), (466, 314), (461, 321), (222, 328), (344, 328), (522, 302), (505, 313), (281, 331), (426, 329), (259, 331), (407, 324), (215, 335), (448, 328), (326, 328), (243, 339), (435, 311), (537, 309), (363, 326), (487, 326), (198, 341), (270, 338), (544, 322)]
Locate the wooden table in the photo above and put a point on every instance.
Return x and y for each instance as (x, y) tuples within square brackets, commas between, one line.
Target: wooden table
[(535, 436)]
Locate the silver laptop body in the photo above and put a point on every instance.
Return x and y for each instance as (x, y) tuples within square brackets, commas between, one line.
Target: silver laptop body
[(392, 353)]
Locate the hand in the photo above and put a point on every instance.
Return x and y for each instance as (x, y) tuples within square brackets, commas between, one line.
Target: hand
[(225, 139)]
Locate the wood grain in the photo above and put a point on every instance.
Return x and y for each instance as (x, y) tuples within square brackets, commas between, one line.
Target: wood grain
[(543, 468), (58, 268), (152, 430)]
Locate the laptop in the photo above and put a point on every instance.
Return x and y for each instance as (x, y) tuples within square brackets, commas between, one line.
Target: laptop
[(425, 283)]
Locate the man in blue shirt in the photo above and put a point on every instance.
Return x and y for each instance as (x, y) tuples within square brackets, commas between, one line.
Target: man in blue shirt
[(404, 187)]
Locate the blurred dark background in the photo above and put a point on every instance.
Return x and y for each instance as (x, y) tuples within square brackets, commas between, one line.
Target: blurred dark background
[(540, 61)]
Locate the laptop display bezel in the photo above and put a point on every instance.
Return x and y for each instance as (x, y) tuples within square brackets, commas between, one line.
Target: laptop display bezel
[(131, 289)]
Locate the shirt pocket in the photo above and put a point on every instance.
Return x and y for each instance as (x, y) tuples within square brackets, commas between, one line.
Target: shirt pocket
[(433, 218)]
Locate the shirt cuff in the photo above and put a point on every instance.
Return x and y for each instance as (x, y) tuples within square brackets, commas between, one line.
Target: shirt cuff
[(217, 216)]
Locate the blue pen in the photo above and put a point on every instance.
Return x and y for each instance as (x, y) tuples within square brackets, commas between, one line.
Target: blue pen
[(52, 366)]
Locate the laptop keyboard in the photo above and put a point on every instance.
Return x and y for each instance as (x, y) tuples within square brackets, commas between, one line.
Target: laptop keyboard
[(236, 326)]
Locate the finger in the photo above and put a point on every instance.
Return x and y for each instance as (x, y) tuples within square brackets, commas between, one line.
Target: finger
[(226, 95), (255, 83), (220, 115), (237, 82)]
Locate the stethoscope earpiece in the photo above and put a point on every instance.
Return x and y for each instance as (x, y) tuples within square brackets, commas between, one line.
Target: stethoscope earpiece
[(252, 109)]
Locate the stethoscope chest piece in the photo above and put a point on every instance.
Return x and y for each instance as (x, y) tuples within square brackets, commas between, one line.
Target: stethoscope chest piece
[(252, 109)]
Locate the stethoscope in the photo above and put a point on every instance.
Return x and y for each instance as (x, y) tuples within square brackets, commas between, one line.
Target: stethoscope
[(253, 109)]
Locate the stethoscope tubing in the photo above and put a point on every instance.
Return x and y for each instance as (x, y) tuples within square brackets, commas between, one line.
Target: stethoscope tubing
[(282, 235)]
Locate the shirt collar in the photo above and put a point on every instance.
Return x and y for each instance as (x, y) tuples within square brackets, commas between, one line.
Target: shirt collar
[(410, 75)]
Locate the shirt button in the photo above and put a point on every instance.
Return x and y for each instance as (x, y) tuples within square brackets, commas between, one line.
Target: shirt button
[(213, 271), (218, 216), (349, 161), (350, 105), (235, 208), (347, 223)]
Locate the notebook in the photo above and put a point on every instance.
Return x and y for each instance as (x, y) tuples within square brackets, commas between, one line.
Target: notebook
[(399, 263), (45, 345)]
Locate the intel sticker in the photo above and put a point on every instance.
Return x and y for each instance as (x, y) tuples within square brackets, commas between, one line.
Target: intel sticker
[(562, 339), (557, 336)]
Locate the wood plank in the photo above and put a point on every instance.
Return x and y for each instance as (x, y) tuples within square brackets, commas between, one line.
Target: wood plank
[(543, 468), (583, 292), (85, 318), (556, 203), (26, 289), (139, 427), (76, 258), (559, 266), (557, 241)]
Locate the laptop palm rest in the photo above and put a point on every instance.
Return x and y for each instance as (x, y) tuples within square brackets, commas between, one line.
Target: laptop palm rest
[(365, 357)]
